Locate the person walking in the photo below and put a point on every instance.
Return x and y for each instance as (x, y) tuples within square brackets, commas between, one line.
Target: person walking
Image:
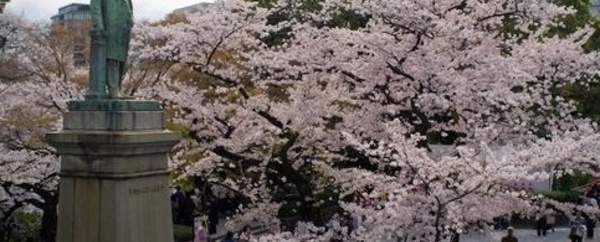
[(541, 225), (245, 234), (228, 237), (200, 233), (197, 200), (577, 228), (551, 219), (176, 200), (510, 236), (186, 210), (213, 215), (590, 225)]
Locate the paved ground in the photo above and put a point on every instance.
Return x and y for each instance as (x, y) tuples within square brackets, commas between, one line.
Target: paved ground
[(525, 236)]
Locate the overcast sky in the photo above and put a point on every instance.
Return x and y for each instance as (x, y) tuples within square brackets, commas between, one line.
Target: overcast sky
[(42, 10)]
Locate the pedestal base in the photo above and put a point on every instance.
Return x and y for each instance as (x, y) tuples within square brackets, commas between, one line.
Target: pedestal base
[(114, 183), (106, 210), (114, 120), (113, 105)]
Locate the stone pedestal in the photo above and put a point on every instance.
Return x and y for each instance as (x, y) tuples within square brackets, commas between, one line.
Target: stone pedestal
[(114, 183)]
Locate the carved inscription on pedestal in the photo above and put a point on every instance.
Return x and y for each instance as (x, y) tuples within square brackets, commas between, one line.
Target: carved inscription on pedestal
[(151, 188)]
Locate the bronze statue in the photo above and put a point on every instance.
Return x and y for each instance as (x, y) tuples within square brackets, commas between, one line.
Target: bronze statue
[(112, 21)]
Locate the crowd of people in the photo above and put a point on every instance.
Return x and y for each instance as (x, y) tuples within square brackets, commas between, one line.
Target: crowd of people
[(545, 222), (343, 222), (202, 235), (583, 224), (202, 208)]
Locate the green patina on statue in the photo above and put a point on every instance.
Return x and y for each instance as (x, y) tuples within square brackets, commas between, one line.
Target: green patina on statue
[(112, 21)]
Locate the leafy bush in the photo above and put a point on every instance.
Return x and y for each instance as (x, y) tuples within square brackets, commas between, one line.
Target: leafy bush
[(563, 196), (183, 233), (26, 226), (566, 182)]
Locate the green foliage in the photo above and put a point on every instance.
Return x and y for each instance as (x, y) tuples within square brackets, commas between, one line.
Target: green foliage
[(348, 19), (183, 233), (28, 222), (569, 24), (567, 182), (186, 184), (324, 197), (343, 18), (574, 21), (587, 97), (562, 196), (577, 21), (27, 226)]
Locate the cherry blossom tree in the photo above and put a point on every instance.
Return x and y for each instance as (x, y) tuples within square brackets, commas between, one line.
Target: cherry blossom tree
[(32, 105), (9, 38), (349, 113)]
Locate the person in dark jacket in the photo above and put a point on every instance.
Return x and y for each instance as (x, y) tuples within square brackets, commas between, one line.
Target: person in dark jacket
[(510, 236), (228, 237), (590, 225), (541, 225), (176, 202), (186, 210), (213, 215), (578, 227)]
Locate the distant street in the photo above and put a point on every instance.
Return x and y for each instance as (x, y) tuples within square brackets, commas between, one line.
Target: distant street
[(524, 236)]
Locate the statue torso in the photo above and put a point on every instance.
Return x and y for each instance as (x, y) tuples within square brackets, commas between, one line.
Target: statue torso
[(118, 21)]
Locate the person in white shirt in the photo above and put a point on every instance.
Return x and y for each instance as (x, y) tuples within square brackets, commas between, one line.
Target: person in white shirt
[(200, 232)]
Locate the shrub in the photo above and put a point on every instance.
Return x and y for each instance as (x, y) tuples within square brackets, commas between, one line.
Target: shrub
[(183, 233)]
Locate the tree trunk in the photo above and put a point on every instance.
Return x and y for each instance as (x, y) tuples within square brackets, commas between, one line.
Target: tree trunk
[(49, 219), (455, 237)]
